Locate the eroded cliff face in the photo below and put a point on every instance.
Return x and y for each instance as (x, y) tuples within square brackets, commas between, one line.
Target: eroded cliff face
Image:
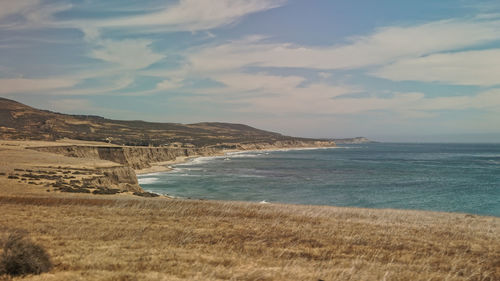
[(133, 157), (124, 178), (120, 177), (142, 157)]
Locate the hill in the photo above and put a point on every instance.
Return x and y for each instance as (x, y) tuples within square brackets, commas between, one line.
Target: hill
[(19, 121)]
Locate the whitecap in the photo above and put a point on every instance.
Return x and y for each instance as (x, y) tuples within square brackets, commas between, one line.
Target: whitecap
[(147, 180)]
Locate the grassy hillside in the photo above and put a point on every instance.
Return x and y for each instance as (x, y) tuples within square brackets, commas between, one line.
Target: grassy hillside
[(120, 238), (19, 121)]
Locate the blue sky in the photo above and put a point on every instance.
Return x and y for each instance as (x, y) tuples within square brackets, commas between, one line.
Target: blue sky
[(388, 70)]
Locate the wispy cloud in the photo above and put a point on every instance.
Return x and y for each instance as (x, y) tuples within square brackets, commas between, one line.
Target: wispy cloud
[(17, 7), (462, 68), (23, 85), (169, 84), (31, 14), (407, 105), (128, 54), (384, 46), (235, 83), (190, 15)]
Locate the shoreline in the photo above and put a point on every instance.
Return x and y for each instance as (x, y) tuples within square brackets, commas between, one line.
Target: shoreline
[(166, 166), (169, 182)]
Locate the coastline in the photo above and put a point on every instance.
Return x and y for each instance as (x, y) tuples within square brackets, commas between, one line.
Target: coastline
[(357, 177), (166, 166), (163, 166)]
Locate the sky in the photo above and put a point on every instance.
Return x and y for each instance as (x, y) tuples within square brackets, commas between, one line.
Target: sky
[(390, 70)]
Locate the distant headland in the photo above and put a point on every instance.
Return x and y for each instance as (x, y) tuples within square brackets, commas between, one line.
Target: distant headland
[(356, 140)]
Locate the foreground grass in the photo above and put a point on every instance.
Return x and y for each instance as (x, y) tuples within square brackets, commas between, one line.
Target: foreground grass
[(160, 239)]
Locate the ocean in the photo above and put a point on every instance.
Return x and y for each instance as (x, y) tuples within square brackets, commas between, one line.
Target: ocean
[(439, 177)]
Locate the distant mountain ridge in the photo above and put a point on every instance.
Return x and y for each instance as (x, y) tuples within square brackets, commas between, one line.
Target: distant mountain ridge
[(356, 140), (19, 121)]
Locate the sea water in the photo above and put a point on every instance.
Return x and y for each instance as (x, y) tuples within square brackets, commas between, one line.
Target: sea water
[(439, 177)]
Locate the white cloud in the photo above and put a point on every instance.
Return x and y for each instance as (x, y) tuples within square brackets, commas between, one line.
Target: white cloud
[(315, 100), (292, 94), (169, 84), (189, 15), (488, 100), (274, 93), (235, 83), (282, 95), (129, 54), (32, 14), (113, 84), (386, 45), (23, 85), (462, 68), (324, 75)]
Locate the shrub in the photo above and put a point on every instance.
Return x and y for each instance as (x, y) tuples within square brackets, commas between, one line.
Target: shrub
[(73, 190), (146, 194), (106, 191), (21, 256)]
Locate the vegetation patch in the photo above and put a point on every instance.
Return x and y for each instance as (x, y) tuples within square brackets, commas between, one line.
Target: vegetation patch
[(146, 194), (73, 190), (106, 191), (21, 256)]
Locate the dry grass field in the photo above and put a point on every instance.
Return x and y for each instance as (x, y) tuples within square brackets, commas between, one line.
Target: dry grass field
[(129, 238)]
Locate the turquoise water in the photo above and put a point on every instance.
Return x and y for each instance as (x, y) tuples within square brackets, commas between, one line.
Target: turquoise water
[(439, 177)]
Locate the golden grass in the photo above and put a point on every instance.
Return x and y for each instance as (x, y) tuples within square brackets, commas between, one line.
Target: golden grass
[(126, 238)]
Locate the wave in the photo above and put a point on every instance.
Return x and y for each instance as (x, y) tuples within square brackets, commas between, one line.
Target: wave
[(197, 161), (246, 155), (247, 176), (149, 180)]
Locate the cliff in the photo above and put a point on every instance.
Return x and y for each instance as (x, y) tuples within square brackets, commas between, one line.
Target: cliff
[(133, 144), (122, 178), (133, 157), (143, 157)]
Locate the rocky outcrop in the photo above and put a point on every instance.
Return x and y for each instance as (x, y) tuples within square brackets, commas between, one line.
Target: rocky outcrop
[(122, 178)]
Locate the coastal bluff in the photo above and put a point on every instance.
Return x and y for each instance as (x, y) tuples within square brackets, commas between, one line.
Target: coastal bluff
[(356, 140), (143, 157), (100, 168), (112, 151)]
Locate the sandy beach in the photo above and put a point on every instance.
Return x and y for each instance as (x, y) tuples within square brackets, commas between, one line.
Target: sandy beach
[(164, 166)]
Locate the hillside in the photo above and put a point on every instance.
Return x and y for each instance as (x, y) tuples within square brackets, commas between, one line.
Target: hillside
[(19, 121), (117, 237)]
